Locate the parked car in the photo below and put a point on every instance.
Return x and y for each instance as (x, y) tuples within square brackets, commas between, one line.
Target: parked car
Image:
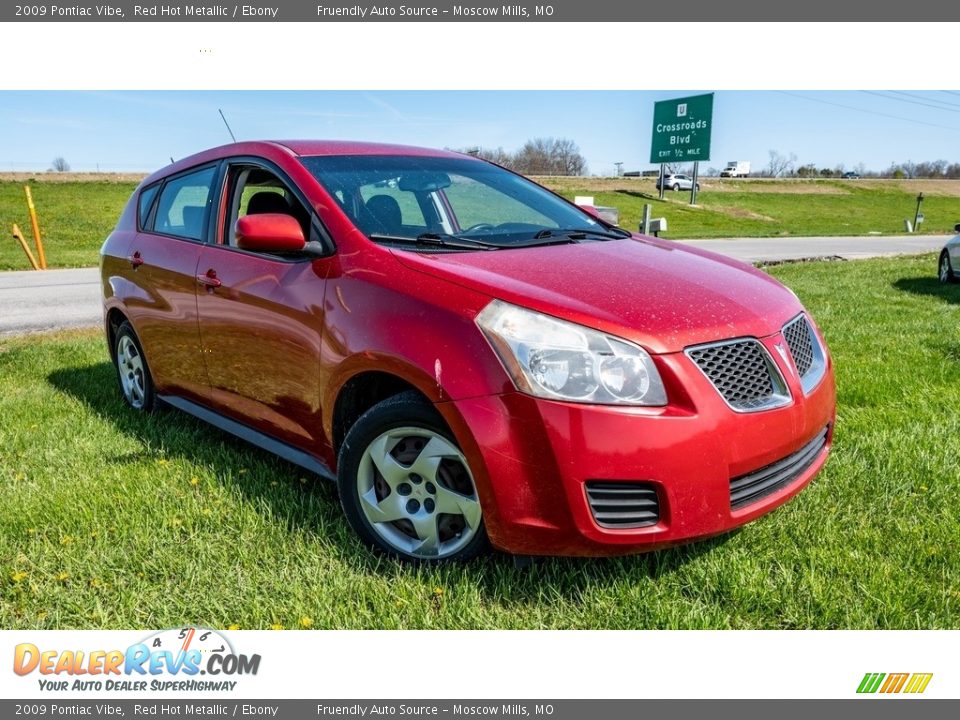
[(949, 257), (677, 182), (472, 358), (850, 175)]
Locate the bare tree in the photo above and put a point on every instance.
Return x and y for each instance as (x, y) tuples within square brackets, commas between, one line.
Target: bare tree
[(60, 165), (550, 156), (780, 165)]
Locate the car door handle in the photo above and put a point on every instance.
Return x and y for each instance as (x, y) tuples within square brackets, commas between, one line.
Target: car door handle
[(135, 260), (209, 279)]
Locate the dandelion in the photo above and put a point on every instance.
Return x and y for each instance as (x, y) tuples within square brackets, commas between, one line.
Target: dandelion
[(31, 531), (163, 461), (194, 481), (306, 622), (18, 576), (63, 577), (234, 626), (66, 540), (276, 626), (438, 591)]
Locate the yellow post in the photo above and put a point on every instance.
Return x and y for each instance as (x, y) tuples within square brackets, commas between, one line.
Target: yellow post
[(36, 227), (26, 248)]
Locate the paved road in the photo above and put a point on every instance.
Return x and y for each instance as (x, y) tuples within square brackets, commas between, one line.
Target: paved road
[(33, 301), (801, 248)]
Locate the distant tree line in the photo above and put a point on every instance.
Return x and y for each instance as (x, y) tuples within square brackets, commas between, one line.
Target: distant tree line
[(539, 156)]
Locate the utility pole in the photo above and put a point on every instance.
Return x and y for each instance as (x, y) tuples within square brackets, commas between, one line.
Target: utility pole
[(619, 166)]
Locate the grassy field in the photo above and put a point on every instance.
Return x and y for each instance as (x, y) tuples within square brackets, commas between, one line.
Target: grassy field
[(762, 208), (109, 519), (75, 219), (77, 214)]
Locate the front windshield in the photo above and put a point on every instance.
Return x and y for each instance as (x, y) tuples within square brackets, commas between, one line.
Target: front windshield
[(390, 197)]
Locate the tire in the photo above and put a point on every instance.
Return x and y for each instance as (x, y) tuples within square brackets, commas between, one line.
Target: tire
[(399, 502), (676, 187), (945, 269), (133, 373)]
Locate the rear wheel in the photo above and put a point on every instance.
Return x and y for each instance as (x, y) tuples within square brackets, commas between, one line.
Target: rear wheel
[(405, 486), (133, 373), (945, 271)]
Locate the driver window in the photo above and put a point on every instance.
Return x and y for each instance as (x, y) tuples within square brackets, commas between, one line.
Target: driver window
[(257, 191)]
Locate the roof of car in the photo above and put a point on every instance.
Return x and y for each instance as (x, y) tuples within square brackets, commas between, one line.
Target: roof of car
[(302, 148), (350, 147)]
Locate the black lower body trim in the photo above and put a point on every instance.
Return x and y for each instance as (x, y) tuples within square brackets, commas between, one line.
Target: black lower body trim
[(254, 437), (753, 486)]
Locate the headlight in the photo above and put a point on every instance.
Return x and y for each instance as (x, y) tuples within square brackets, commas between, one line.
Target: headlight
[(559, 360)]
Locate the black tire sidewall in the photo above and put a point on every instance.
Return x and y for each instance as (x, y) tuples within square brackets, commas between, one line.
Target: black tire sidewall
[(404, 410), (149, 395)]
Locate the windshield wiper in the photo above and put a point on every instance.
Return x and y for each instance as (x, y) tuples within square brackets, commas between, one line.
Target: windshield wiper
[(429, 239), (584, 233)]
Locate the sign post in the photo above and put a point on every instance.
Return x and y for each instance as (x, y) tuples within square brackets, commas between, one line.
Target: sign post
[(681, 133)]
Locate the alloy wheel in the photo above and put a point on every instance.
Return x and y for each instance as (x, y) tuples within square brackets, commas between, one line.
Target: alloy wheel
[(130, 364), (416, 491)]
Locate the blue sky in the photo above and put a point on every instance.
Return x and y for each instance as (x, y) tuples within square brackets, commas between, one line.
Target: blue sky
[(133, 131)]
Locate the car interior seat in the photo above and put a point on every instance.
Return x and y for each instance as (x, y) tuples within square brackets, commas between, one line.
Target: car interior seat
[(385, 211)]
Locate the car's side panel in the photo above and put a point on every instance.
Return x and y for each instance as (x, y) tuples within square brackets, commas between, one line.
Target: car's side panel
[(260, 334), (161, 303)]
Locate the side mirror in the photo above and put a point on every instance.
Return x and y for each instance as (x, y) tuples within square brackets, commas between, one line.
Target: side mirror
[(956, 228), (270, 233)]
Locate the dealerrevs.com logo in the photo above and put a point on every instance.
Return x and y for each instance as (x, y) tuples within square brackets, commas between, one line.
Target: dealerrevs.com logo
[(890, 683), (181, 659)]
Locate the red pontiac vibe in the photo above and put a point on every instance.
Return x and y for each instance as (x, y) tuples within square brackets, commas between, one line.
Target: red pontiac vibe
[(474, 359)]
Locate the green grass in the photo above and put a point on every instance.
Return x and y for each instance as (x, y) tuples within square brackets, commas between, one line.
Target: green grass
[(76, 217), (767, 209), (111, 519)]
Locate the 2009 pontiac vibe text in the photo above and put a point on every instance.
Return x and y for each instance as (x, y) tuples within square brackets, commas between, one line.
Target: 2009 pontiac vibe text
[(473, 359)]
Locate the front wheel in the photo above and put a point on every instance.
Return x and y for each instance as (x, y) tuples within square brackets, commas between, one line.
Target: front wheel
[(405, 486), (945, 271), (676, 187)]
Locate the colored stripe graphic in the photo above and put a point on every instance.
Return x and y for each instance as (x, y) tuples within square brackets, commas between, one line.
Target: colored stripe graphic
[(870, 682), (894, 683), (918, 682)]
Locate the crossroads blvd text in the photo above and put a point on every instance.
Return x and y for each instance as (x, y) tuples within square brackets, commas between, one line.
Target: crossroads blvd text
[(263, 12)]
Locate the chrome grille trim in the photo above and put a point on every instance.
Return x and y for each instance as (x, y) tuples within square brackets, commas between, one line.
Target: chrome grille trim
[(743, 373), (806, 351)]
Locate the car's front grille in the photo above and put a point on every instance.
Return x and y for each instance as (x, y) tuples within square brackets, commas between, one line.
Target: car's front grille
[(623, 504), (753, 486), (797, 335), (743, 373), (806, 350)]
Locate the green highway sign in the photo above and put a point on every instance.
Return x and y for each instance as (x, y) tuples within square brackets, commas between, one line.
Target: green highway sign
[(681, 129)]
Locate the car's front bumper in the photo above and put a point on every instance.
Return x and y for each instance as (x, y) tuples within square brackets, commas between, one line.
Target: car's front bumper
[(531, 459)]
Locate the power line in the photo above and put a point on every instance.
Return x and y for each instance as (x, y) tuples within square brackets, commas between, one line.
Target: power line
[(912, 102), (868, 112), (924, 97)]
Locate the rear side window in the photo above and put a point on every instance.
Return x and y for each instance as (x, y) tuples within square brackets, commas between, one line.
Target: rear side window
[(184, 205), (145, 203)]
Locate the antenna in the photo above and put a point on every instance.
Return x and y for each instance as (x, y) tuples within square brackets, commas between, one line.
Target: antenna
[(227, 124)]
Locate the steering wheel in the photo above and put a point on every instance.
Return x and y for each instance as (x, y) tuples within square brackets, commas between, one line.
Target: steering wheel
[(479, 227)]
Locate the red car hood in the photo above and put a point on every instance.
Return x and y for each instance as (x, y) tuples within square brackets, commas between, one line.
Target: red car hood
[(661, 294)]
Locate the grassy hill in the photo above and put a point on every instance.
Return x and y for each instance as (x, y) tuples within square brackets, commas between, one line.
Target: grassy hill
[(77, 211)]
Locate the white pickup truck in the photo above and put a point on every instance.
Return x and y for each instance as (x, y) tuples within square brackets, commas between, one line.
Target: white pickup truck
[(736, 168)]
